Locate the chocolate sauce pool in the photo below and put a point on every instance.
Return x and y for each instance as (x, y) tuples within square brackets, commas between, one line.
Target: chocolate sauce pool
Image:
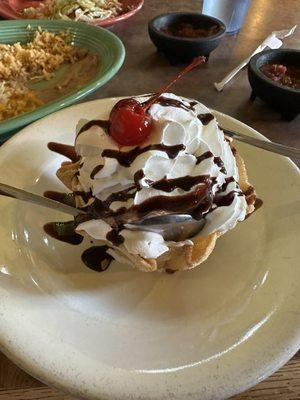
[(97, 258), (63, 231), (65, 198), (258, 203)]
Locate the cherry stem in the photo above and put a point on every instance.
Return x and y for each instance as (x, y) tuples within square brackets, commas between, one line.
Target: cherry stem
[(196, 61)]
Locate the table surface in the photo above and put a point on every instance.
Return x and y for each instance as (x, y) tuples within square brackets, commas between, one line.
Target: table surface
[(145, 71)]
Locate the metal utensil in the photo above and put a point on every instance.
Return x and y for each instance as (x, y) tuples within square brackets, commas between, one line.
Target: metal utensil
[(10, 191), (171, 227), (269, 146), (272, 41)]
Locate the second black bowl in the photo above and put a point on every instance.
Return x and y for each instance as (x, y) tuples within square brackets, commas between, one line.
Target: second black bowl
[(184, 49), (284, 99)]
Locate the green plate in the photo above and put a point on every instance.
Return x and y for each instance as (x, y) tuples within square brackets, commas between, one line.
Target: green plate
[(107, 46)]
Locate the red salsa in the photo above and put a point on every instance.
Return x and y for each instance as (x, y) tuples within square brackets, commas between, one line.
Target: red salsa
[(185, 29), (286, 75)]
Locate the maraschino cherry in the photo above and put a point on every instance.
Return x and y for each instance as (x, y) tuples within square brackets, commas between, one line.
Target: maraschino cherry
[(130, 124)]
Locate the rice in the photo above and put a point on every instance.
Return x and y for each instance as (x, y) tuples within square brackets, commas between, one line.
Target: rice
[(22, 63), (17, 100)]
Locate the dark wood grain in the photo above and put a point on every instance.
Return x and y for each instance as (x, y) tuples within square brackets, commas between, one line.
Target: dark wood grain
[(145, 71), (12, 377), (283, 385)]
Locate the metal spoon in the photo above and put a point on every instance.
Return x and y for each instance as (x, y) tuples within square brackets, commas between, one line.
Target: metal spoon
[(20, 194), (262, 144), (171, 227)]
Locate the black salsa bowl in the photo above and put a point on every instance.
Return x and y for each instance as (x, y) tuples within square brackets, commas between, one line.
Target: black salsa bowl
[(181, 49), (284, 99)]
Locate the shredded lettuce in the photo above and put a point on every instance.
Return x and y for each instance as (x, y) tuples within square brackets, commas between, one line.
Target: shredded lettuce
[(78, 10)]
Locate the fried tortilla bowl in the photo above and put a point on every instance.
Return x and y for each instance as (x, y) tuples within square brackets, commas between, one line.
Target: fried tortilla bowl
[(177, 258)]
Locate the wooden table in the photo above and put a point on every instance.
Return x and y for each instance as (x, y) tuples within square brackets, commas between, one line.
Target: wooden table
[(145, 71)]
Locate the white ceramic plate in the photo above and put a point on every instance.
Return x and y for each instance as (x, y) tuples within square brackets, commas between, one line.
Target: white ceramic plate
[(204, 334)]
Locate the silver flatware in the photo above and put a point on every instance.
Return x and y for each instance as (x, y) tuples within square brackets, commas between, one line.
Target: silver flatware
[(262, 144), (171, 227), (273, 41), (20, 194)]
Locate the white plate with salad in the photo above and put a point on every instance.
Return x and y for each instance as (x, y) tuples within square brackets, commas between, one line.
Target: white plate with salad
[(96, 12)]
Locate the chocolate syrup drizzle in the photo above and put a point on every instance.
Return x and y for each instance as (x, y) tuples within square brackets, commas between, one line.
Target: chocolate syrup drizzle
[(65, 150), (96, 170), (250, 194), (114, 237), (197, 202), (204, 156), (126, 158), (98, 122), (185, 183), (188, 203), (121, 196), (225, 184), (193, 104), (137, 177), (222, 201), (218, 161), (205, 118), (65, 198), (86, 196), (166, 102)]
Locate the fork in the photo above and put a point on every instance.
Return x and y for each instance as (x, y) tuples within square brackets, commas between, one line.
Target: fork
[(262, 144)]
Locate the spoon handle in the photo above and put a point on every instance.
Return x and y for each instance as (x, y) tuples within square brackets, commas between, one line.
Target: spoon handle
[(10, 191), (269, 146)]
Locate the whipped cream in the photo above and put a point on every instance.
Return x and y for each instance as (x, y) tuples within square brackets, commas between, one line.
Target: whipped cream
[(193, 127)]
